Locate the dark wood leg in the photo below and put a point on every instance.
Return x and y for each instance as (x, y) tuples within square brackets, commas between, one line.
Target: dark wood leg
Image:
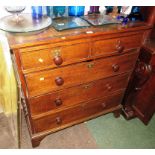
[(36, 141), (128, 112), (117, 113)]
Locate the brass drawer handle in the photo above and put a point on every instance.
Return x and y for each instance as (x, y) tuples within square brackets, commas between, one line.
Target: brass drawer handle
[(119, 47), (137, 88), (57, 57), (109, 87), (86, 86), (103, 105), (56, 52), (90, 65), (58, 102), (58, 120), (115, 67)]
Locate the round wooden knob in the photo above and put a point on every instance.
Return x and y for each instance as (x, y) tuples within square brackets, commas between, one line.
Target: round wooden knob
[(120, 48), (58, 60), (59, 81), (58, 102), (115, 67), (58, 120)]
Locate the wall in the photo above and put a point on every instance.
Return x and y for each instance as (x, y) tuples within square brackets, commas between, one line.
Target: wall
[(1, 110), (8, 86), (3, 12)]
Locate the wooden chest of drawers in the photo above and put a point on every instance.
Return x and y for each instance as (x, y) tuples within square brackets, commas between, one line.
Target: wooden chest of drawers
[(73, 76)]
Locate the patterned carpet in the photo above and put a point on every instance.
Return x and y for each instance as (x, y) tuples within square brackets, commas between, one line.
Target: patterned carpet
[(111, 133)]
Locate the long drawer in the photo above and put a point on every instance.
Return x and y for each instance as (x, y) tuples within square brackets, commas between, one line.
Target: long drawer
[(56, 79), (53, 57), (51, 80), (116, 45), (82, 111), (77, 94)]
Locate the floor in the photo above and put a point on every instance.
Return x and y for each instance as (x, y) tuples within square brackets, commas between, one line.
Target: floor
[(118, 133), (76, 137), (103, 132), (6, 138)]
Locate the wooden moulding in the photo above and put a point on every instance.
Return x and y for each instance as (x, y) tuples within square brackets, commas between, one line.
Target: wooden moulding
[(37, 138)]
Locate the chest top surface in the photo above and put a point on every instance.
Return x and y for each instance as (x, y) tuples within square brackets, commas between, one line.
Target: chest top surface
[(50, 35)]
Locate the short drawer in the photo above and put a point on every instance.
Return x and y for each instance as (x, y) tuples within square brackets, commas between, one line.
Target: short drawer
[(75, 95), (77, 114), (116, 45), (56, 79), (50, 58)]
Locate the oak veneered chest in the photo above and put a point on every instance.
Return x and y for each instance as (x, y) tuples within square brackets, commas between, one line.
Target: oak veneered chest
[(72, 76)]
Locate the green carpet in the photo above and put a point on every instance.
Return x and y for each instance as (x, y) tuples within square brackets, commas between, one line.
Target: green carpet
[(117, 133)]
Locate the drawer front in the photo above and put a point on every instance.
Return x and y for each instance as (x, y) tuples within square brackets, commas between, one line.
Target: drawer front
[(47, 81), (78, 94), (116, 45), (49, 58), (75, 114)]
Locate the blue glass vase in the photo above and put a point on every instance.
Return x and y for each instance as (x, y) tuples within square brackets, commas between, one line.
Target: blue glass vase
[(76, 10), (37, 12), (59, 11), (94, 9), (49, 11)]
